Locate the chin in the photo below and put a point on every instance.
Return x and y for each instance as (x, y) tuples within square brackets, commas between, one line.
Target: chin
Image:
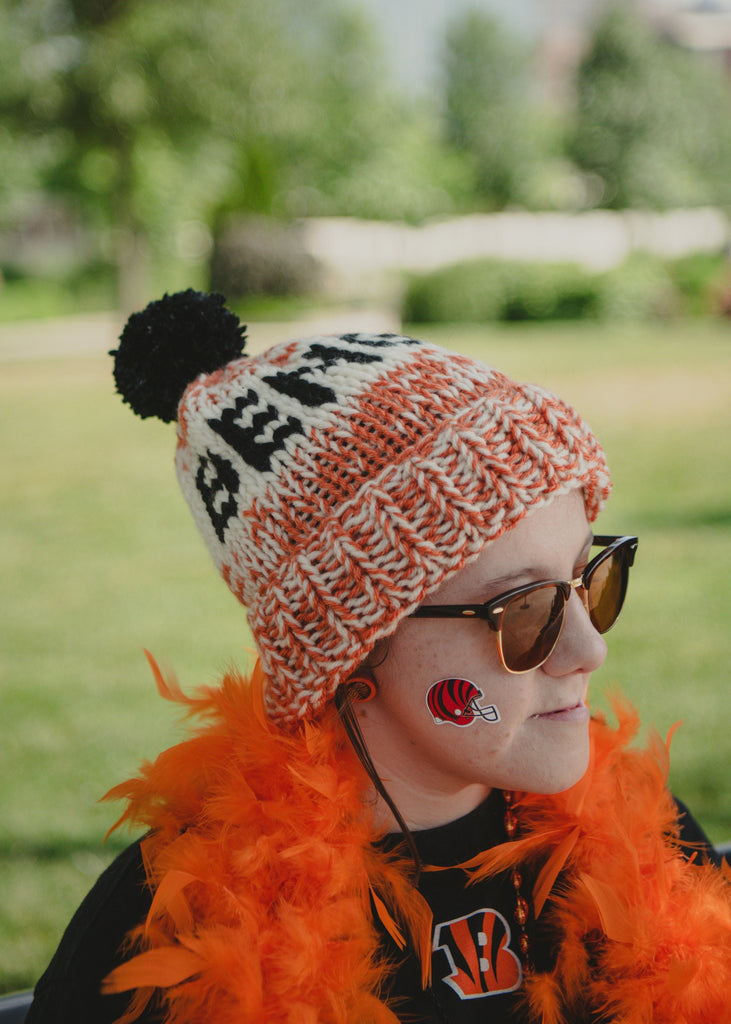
[(571, 778), (561, 777)]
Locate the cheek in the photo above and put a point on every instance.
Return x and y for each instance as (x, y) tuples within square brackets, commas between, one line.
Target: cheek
[(421, 649), (425, 673)]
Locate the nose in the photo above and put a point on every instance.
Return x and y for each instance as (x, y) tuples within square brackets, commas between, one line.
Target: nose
[(580, 648)]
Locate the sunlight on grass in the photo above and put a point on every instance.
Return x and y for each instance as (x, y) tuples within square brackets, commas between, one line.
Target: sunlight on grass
[(101, 558)]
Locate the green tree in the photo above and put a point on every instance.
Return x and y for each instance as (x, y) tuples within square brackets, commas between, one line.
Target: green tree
[(489, 114), (653, 122)]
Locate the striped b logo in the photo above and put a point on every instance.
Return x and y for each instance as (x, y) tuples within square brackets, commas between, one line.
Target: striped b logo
[(481, 962)]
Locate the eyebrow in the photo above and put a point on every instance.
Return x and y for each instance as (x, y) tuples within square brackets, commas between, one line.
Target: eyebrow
[(528, 570)]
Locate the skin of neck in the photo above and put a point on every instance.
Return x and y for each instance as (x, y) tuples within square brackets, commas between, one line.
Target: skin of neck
[(421, 806)]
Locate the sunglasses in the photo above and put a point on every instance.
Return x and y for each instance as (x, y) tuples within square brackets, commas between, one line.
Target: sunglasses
[(528, 620)]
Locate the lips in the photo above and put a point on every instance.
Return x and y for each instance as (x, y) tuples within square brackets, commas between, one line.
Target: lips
[(577, 712)]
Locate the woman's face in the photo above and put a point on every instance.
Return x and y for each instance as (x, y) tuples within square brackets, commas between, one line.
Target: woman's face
[(438, 771)]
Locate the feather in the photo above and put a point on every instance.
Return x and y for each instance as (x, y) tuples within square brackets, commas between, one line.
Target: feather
[(156, 967), (169, 899), (169, 689), (616, 922), (550, 870), (680, 973), (258, 685), (137, 1006), (387, 921), (544, 1000)]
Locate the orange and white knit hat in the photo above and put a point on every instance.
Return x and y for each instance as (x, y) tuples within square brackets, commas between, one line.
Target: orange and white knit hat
[(337, 481)]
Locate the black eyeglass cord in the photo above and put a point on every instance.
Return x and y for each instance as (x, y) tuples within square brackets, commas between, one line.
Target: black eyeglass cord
[(357, 740)]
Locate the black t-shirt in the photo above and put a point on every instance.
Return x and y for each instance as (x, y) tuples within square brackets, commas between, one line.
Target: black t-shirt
[(477, 961), (476, 965)]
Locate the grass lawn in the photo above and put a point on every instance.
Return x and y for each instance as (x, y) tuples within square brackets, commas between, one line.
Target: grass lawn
[(100, 557)]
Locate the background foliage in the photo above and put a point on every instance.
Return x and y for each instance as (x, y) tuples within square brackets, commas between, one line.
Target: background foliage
[(642, 287), (653, 122), (487, 116), (147, 127), (147, 117)]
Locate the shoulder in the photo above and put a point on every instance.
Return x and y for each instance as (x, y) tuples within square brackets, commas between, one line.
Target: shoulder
[(693, 838), (69, 990)]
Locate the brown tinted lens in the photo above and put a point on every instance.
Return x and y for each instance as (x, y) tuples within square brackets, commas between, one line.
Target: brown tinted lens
[(530, 627), (606, 591)]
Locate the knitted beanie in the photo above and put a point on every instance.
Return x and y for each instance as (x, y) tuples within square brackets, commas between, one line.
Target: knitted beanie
[(338, 481)]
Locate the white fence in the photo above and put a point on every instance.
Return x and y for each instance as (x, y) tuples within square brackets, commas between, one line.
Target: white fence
[(358, 256)]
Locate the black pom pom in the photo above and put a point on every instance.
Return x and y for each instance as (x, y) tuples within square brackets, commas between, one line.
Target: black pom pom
[(166, 346)]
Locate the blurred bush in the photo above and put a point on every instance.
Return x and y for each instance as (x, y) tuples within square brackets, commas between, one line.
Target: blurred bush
[(642, 287), (84, 287), (703, 282), (489, 289), (639, 288)]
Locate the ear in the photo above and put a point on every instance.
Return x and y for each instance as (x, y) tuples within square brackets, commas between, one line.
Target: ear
[(361, 688)]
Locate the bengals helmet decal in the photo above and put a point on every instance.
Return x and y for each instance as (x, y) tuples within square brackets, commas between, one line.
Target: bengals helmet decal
[(455, 701)]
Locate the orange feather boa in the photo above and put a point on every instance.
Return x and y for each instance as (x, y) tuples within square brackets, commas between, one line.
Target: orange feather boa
[(264, 876)]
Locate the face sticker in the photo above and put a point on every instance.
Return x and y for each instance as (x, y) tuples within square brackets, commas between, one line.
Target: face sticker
[(455, 701)]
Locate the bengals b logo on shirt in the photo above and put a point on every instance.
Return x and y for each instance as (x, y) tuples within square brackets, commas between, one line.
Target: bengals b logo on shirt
[(481, 962)]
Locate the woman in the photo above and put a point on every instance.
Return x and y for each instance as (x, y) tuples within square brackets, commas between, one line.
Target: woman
[(407, 814)]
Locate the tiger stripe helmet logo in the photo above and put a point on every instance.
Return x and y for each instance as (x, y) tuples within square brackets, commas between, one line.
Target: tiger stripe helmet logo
[(455, 701)]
